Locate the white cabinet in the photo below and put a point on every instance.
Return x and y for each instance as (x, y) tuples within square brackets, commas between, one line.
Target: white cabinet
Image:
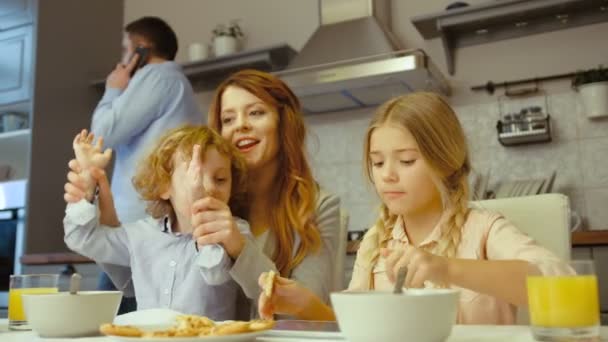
[(15, 64), (15, 13)]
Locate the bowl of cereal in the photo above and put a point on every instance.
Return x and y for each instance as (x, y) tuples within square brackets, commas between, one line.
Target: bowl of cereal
[(415, 315), (70, 315)]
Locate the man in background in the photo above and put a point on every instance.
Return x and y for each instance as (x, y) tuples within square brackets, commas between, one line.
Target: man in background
[(135, 110)]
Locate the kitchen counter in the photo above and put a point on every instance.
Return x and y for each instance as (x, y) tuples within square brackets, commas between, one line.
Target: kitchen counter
[(54, 259), (590, 238)]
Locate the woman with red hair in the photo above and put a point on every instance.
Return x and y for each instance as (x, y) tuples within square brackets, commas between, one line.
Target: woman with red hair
[(294, 224)]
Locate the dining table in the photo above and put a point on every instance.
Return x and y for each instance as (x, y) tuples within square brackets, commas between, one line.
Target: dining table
[(460, 333)]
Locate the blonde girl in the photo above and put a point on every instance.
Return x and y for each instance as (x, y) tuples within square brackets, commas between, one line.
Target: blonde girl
[(415, 155)]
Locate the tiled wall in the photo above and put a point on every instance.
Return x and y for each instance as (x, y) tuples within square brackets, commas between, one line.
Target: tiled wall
[(579, 153)]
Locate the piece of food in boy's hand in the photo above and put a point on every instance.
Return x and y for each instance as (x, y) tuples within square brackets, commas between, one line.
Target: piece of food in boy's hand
[(269, 283), (120, 330)]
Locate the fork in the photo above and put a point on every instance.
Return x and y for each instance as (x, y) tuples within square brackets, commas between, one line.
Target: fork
[(401, 274)]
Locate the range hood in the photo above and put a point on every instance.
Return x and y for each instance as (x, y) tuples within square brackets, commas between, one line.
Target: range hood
[(354, 61)]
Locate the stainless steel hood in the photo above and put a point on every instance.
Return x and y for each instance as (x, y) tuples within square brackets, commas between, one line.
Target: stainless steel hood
[(353, 60)]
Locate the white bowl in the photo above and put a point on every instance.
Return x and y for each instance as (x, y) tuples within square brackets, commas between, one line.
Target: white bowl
[(65, 315), (419, 315)]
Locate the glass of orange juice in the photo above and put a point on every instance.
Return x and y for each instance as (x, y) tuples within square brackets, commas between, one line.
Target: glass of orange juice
[(29, 284), (565, 307)]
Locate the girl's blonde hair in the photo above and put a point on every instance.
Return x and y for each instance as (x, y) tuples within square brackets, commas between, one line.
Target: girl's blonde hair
[(295, 194), (154, 173), (440, 138)]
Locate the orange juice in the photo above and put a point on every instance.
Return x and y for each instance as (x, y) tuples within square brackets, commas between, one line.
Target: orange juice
[(563, 301), (15, 304)]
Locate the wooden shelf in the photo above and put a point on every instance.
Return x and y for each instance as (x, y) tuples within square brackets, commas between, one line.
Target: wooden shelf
[(54, 259), (208, 73), (498, 20), (590, 238)]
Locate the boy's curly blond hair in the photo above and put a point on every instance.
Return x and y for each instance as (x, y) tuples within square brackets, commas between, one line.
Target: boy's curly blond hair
[(154, 172)]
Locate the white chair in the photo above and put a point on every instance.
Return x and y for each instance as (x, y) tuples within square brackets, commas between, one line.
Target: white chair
[(338, 276), (546, 218)]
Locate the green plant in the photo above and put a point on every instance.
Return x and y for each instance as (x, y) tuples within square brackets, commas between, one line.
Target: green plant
[(233, 30), (599, 74)]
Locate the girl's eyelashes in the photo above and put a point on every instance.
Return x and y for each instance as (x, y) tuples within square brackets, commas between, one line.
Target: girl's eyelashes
[(377, 163)]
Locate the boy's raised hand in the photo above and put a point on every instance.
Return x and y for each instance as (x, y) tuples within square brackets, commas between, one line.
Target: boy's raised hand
[(75, 190), (89, 155), (421, 266)]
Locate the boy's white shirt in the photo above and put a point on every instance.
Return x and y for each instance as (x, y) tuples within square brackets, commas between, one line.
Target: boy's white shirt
[(81, 225)]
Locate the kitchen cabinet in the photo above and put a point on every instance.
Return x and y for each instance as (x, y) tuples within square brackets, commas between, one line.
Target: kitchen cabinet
[(46, 65), (14, 13), (63, 102), (491, 21), (15, 64)]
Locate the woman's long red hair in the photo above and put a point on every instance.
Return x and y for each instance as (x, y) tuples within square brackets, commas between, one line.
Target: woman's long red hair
[(293, 199)]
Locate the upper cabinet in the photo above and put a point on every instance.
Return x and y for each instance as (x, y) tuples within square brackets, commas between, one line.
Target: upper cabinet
[(491, 21), (15, 64), (15, 13)]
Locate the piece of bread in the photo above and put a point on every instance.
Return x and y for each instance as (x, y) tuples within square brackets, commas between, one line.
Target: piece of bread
[(191, 326), (269, 283), (259, 325), (230, 328), (120, 330)]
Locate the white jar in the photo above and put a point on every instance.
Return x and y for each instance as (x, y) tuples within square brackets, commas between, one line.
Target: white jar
[(198, 51), (595, 99), (224, 45)]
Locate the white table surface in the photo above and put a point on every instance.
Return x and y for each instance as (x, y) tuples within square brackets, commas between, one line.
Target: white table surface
[(460, 333)]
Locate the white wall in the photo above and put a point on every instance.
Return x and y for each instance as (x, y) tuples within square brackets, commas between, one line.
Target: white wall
[(268, 22), (579, 148), (265, 22)]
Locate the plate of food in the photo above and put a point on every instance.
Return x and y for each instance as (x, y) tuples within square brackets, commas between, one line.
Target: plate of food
[(189, 328)]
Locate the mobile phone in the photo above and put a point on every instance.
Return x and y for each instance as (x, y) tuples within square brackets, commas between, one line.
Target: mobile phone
[(144, 54)]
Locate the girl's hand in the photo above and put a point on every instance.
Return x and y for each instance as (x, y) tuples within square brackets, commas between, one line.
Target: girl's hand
[(421, 266), (288, 298), (212, 223)]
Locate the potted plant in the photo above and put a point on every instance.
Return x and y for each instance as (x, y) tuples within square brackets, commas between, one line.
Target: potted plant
[(593, 87), (226, 38)]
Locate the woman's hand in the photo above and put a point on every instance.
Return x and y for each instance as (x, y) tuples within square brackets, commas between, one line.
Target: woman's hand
[(287, 298), (421, 266), (75, 190), (213, 223)]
